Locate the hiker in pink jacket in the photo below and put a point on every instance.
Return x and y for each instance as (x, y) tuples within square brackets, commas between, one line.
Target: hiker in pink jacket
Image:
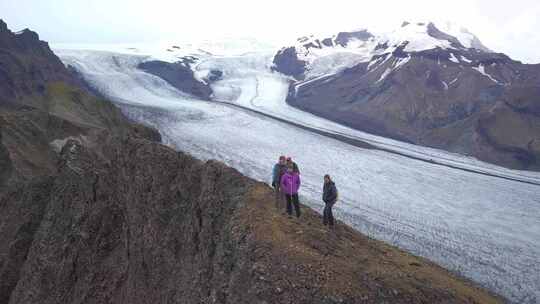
[(290, 183)]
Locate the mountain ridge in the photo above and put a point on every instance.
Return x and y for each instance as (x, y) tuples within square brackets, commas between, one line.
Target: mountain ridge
[(435, 94), (346, 49)]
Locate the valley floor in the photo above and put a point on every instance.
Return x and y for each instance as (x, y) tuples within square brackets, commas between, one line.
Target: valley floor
[(482, 227)]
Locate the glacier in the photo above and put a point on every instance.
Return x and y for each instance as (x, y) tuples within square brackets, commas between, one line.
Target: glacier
[(483, 227)]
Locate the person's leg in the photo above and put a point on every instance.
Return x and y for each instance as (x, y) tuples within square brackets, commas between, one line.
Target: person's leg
[(289, 204), (282, 199), (296, 204), (325, 214), (278, 196), (330, 215)]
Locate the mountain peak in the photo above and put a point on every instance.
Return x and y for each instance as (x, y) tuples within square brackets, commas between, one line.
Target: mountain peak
[(416, 36), (3, 25), (457, 35), (28, 34), (468, 39)]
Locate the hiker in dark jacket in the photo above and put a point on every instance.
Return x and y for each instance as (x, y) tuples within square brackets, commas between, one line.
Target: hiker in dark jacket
[(290, 183), (279, 169), (293, 164), (329, 197)]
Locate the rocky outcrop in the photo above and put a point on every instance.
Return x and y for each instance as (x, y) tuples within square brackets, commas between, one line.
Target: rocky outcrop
[(6, 166), (286, 61), (22, 209), (343, 38), (133, 221), (434, 32), (179, 75), (214, 75)]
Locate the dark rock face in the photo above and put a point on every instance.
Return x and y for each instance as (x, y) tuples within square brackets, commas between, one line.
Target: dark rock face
[(22, 208), (26, 65), (313, 44), (215, 75), (434, 32), (286, 61), (151, 225), (343, 38), (179, 76), (327, 42), (6, 166)]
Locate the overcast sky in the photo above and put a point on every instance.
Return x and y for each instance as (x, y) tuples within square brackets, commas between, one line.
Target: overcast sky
[(511, 27)]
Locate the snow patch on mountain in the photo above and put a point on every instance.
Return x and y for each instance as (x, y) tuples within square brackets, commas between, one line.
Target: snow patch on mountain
[(465, 59), (332, 55), (386, 73), (415, 37), (445, 85), (453, 58), (402, 61), (396, 64), (482, 70)]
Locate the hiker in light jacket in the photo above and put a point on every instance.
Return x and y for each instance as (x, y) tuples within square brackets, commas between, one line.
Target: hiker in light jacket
[(290, 183), (279, 169), (329, 197)]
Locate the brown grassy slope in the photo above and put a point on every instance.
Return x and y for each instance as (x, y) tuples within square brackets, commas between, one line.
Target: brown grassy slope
[(344, 264)]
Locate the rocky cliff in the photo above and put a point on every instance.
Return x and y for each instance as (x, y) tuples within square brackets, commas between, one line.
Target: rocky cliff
[(27, 64), (131, 221)]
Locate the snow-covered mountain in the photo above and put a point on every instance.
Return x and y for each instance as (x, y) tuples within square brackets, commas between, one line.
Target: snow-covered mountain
[(321, 56), (424, 85)]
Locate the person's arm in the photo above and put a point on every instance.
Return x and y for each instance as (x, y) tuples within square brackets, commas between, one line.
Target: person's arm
[(283, 182), (333, 196)]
